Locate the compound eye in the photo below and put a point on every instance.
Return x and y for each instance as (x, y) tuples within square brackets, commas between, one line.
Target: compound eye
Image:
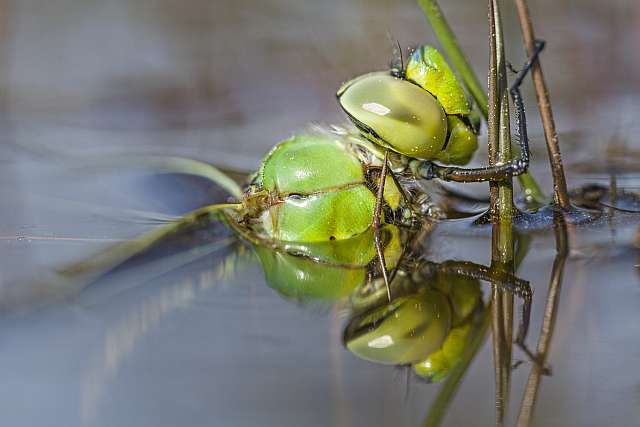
[(395, 113), (404, 331)]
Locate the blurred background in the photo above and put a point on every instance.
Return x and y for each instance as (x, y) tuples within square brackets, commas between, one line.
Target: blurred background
[(222, 81), (227, 79)]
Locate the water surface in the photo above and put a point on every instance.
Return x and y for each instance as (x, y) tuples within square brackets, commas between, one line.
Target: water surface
[(208, 342)]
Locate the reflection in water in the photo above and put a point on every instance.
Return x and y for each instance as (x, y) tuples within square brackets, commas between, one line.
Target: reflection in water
[(436, 312), (435, 324), (548, 324), (120, 339)]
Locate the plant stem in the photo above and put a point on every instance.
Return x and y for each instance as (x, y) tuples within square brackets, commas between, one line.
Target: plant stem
[(501, 198), (500, 310), (498, 129), (560, 192), (449, 43)]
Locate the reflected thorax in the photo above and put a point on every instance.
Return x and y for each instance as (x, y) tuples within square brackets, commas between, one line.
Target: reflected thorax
[(435, 310)]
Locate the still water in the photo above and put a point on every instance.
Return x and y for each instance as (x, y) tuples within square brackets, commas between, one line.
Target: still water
[(199, 338)]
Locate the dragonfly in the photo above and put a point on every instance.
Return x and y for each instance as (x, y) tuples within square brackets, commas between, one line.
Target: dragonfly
[(337, 272), (314, 187)]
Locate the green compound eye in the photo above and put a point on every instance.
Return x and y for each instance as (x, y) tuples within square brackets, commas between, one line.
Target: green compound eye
[(464, 293), (395, 113)]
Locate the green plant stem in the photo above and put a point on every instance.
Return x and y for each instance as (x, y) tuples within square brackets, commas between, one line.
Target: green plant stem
[(449, 43), (501, 199)]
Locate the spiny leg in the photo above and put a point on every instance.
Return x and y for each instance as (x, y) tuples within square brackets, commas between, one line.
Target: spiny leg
[(383, 264), (428, 170), (514, 90), (380, 196), (406, 197), (505, 281), (376, 222)]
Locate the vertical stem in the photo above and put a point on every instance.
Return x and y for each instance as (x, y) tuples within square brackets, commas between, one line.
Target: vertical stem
[(501, 197), (560, 192), (505, 188), (449, 43), (499, 135)]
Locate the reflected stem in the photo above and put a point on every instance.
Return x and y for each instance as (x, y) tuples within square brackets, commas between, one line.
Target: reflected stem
[(548, 324)]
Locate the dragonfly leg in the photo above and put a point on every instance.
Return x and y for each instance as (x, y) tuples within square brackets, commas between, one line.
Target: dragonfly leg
[(504, 281), (516, 96), (383, 263), (376, 222), (429, 170), (380, 196)]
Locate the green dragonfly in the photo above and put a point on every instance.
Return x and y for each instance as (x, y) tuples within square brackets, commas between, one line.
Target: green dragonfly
[(323, 187)]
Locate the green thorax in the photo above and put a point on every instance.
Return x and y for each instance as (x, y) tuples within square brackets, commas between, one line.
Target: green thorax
[(428, 69), (315, 188)]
